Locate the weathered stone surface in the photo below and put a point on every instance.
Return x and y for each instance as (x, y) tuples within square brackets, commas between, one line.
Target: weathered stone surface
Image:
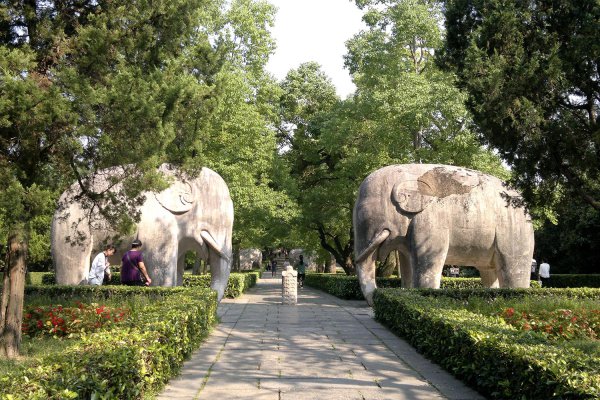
[(289, 280), (439, 214), (191, 215), (250, 258)]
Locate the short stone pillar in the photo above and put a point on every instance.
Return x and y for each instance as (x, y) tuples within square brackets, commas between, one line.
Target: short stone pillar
[(289, 283)]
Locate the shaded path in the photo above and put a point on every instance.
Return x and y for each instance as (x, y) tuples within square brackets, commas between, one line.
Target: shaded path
[(323, 348)]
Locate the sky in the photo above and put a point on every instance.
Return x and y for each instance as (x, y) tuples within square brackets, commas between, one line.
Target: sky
[(315, 30)]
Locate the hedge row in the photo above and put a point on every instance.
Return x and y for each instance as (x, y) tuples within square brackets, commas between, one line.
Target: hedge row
[(125, 362), (238, 282), (347, 287), (498, 360), (574, 281)]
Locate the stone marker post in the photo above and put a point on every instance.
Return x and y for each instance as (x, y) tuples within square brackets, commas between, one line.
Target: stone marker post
[(289, 283)]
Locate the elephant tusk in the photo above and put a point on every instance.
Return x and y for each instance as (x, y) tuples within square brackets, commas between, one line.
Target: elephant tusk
[(208, 238), (377, 240)]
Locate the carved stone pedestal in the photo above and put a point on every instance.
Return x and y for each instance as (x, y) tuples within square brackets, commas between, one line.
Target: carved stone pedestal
[(289, 285)]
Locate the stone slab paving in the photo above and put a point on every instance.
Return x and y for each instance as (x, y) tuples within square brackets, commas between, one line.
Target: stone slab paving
[(321, 348)]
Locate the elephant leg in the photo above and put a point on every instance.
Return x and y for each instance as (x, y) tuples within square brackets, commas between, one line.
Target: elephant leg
[(71, 247), (489, 278), (405, 270), (512, 272), (513, 253), (219, 272), (180, 268), (429, 251), (160, 258)]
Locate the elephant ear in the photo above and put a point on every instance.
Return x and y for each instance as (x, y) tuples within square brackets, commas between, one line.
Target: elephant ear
[(177, 198), (412, 196)]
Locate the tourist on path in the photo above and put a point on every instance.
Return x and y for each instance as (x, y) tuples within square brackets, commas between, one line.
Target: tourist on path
[(544, 273), (301, 268), (273, 268), (133, 269), (101, 266)]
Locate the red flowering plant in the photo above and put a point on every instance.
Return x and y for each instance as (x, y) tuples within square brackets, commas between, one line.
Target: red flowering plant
[(59, 321), (557, 324)]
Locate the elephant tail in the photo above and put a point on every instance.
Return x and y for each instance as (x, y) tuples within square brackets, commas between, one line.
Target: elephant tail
[(373, 244)]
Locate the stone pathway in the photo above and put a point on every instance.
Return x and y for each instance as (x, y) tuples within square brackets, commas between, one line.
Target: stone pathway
[(322, 348)]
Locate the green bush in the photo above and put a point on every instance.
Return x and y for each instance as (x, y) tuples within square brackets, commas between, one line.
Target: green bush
[(238, 282), (574, 280), (125, 362), (347, 287), (497, 359)]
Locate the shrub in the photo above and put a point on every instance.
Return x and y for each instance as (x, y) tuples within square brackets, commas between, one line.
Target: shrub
[(348, 287), (556, 324), (124, 362), (238, 282), (497, 359), (69, 321), (574, 280)]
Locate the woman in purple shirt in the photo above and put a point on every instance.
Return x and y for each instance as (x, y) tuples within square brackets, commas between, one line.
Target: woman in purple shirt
[(133, 268)]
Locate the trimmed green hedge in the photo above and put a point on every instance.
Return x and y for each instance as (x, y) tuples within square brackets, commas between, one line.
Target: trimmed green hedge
[(125, 362), (495, 358), (238, 282), (347, 287), (574, 280)]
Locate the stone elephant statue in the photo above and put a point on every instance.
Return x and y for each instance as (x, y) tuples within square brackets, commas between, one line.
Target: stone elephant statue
[(192, 214), (439, 214)]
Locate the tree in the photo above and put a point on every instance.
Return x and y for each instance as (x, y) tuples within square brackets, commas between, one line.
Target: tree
[(572, 243), (531, 72), (405, 110), (307, 102), (93, 84)]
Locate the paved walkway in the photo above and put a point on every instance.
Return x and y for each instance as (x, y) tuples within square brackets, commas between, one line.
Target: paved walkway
[(323, 348)]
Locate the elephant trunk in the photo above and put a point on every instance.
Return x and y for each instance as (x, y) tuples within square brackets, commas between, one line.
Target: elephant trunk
[(365, 265), (366, 277), (219, 273)]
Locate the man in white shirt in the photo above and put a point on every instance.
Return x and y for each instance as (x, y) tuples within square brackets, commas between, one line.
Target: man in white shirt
[(544, 273), (100, 265)]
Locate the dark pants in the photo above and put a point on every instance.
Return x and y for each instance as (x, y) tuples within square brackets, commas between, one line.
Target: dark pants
[(301, 279), (545, 282), (134, 283)]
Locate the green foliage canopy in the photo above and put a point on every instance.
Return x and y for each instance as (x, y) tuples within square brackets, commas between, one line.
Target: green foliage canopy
[(531, 72), (405, 109), (95, 84)]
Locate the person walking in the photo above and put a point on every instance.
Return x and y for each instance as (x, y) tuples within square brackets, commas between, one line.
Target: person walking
[(100, 266), (273, 268), (133, 269), (544, 273), (301, 268)]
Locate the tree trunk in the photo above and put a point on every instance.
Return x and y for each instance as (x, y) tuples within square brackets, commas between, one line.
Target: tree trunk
[(341, 253), (349, 267), (235, 263), (389, 266), (197, 265), (11, 309), (331, 266)]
